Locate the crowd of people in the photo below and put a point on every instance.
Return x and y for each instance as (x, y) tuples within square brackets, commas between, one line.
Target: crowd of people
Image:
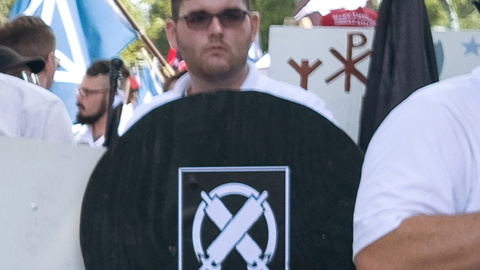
[(27, 51), (417, 206)]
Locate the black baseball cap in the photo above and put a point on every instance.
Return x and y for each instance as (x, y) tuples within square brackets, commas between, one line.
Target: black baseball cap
[(10, 60)]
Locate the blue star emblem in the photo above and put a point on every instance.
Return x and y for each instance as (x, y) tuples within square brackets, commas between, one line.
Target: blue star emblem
[(471, 47)]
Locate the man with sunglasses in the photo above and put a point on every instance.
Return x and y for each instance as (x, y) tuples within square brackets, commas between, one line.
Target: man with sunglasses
[(213, 38), (31, 37)]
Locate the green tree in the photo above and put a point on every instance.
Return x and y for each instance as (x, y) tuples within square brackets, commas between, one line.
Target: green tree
[(437, 15), (139, 11), (271, 13), (159, 12), (151, 20), (468, 15), (445, 13), (5, 6)]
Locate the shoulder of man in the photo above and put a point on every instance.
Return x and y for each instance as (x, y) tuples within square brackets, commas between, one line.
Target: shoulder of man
[(28, 91), (44, 115)]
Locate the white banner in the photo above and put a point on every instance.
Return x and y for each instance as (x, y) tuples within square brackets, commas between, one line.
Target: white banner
[(333, 63), (40, 201)]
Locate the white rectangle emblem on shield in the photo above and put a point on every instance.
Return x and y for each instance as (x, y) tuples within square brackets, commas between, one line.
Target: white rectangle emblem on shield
[(233, 218)]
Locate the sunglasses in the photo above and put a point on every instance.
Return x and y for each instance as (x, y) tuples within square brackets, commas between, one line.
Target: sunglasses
[(200, 20)]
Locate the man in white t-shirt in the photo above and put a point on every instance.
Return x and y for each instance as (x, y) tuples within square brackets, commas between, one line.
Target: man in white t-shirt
[(418, 205)]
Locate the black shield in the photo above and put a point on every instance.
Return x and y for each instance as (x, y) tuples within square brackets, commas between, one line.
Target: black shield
[(130, 210)]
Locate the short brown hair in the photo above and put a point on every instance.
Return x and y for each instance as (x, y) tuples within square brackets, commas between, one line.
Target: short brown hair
[(99, 67), (176, 6), (102, 67), (28, 36)]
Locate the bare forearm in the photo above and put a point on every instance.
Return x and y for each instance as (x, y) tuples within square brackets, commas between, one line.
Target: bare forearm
[(427, 242)]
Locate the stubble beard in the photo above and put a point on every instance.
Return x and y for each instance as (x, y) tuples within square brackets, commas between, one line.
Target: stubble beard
[(216, 69), (216, 72)]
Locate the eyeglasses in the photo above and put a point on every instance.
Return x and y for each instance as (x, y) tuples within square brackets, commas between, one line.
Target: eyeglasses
[(200, 20), (85, 92)]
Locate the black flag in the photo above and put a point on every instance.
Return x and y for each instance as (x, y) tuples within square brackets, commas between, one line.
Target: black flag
[(403, 60)]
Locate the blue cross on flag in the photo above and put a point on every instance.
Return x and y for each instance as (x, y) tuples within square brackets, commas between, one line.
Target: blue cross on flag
[(85, 30)]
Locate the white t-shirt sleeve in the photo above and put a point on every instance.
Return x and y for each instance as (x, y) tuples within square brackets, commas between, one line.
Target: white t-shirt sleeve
[(415, 164)]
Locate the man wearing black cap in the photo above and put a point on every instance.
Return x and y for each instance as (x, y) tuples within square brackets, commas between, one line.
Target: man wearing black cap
[(27, 110)]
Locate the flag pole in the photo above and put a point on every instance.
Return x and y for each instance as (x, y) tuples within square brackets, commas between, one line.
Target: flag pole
[(151, 48)]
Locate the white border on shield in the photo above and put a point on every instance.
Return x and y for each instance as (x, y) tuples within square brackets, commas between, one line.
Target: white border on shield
[(286, 169)]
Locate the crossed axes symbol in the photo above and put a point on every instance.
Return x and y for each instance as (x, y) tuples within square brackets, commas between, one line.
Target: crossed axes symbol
[(234, 232)]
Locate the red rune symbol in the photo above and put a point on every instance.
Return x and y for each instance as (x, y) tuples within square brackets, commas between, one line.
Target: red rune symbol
[(349, 63), (304, 70)]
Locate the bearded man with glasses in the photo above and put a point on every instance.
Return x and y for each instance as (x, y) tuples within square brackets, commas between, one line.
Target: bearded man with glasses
[(92, 102)]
